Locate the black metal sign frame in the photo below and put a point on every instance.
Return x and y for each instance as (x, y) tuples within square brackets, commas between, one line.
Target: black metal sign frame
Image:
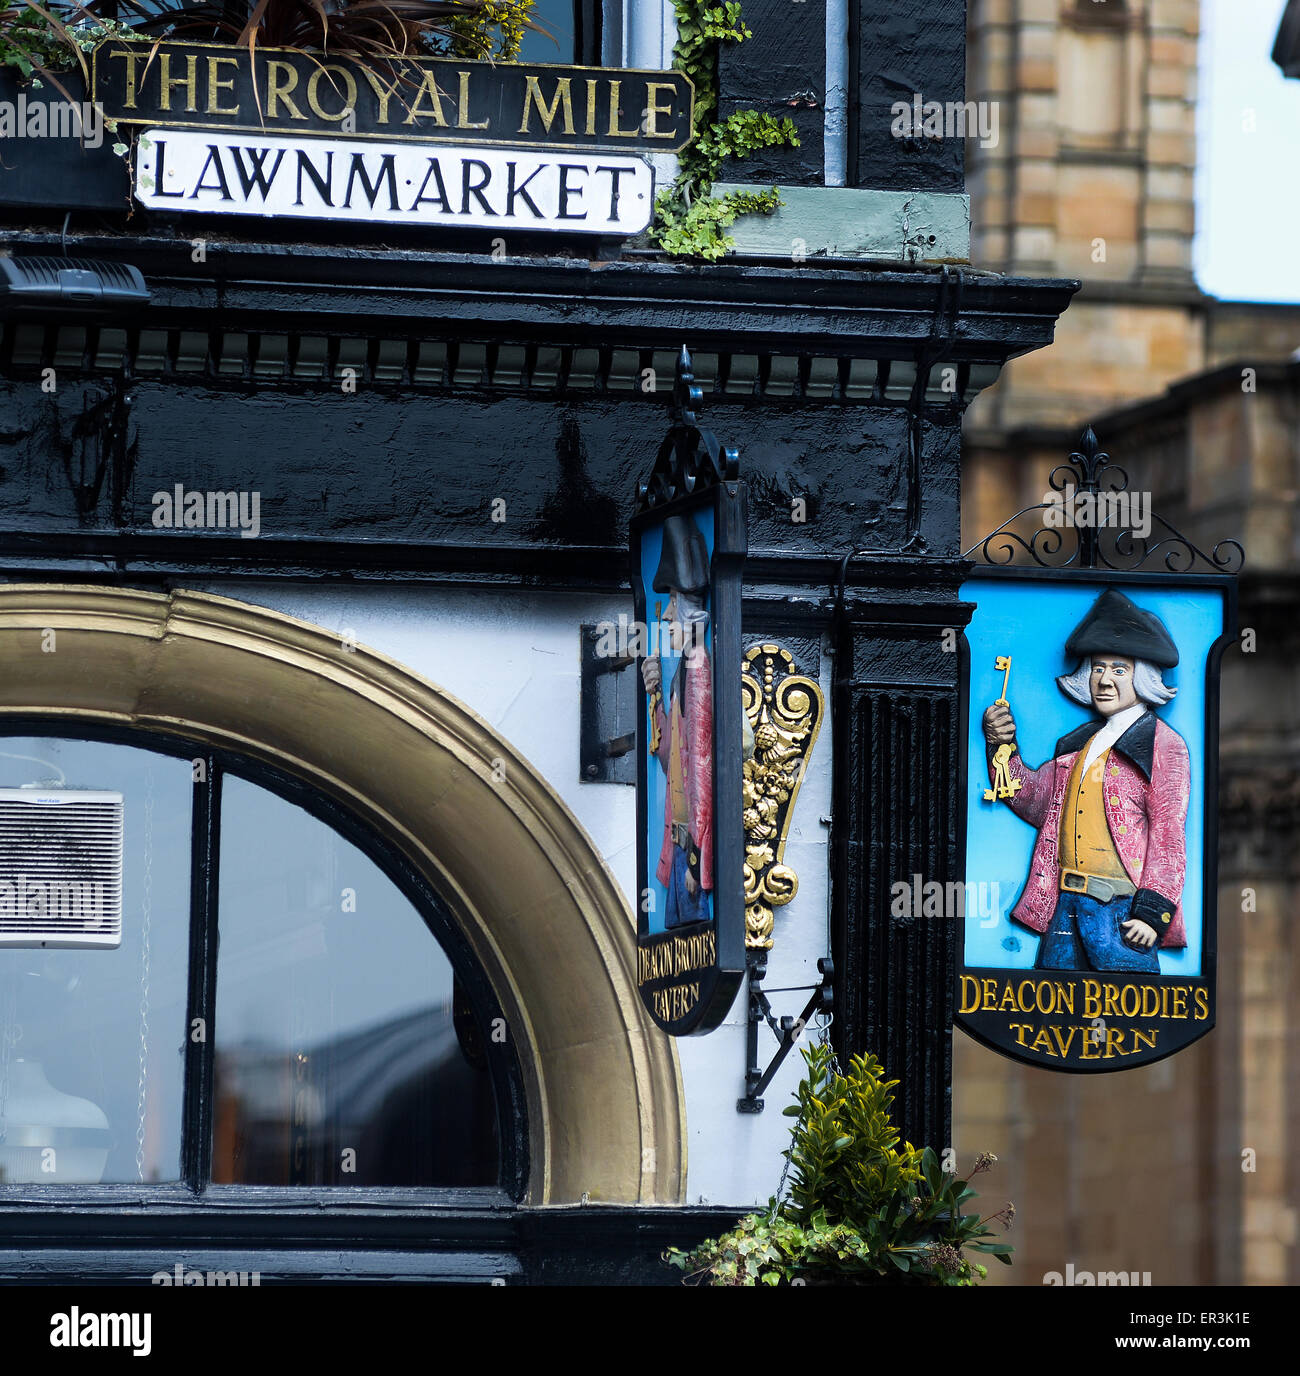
[(689, 975)]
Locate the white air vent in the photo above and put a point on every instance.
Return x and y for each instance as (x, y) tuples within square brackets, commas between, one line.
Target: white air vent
[(60, 867)]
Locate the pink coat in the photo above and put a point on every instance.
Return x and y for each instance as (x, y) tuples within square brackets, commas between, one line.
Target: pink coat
[(696, 752), (1146, 811)]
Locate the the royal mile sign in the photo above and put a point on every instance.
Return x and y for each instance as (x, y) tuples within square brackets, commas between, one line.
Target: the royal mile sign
[(420, 140), (276, 91)]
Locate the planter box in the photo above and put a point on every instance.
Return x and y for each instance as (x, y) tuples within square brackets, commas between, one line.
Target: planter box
[(56, 172)]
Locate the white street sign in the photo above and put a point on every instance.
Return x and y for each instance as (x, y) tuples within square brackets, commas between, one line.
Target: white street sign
[(396, 183)]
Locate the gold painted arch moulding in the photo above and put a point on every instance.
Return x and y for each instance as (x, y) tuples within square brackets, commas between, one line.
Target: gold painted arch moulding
[(551, 928)]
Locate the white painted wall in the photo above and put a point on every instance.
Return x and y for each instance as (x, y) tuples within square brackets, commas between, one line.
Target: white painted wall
[(513, 657)]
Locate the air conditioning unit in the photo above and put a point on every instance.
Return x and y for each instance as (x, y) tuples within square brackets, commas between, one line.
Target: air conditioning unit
[(60, 867)]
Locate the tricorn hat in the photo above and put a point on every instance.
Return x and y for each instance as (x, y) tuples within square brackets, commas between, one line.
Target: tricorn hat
[(1116, 626), (684, 562)]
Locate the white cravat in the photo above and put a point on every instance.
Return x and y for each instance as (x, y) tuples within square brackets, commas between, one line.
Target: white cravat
[(1115, 727)]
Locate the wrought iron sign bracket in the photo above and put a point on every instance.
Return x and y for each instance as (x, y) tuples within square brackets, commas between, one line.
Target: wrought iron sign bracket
[(787, 1029), (1089, 476)]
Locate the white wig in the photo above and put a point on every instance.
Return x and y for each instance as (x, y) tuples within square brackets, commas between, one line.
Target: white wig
[(1147, 684)]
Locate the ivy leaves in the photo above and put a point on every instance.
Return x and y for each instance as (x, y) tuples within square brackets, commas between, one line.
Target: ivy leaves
[(689, 221)]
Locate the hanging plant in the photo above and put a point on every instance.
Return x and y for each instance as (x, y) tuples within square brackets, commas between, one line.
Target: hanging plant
[(690, 221), (861, 1209)]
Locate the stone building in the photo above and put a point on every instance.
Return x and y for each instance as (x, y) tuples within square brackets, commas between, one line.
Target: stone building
[(1195, 396)]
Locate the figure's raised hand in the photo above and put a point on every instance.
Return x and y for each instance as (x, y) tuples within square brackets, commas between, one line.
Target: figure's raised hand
[(651, 674), (999, 725)]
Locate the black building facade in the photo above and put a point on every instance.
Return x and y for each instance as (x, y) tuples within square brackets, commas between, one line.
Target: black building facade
[(451, 430)]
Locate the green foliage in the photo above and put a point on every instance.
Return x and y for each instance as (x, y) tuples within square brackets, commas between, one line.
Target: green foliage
[(494, 31), (689, 221), (862, 1209), (697, 230), (35, 38)]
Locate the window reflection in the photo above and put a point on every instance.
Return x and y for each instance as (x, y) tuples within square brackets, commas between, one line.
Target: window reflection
[(345, 1053), (92, 1041), (558, 43)]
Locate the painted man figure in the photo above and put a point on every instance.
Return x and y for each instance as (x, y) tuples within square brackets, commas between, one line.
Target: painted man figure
[(682, 729), (1106, 879)]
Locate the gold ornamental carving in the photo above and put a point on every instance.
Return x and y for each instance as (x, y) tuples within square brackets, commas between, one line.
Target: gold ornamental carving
[(783, 711)]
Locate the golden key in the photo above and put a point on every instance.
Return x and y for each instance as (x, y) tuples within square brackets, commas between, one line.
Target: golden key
[(1004, 786)]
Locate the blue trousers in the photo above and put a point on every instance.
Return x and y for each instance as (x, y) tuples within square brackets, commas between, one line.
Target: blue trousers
[(1087, 934), (683, 907)]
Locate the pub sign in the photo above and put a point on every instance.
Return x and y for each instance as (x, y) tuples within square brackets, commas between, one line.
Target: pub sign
[(1091, 746), (688, 545)]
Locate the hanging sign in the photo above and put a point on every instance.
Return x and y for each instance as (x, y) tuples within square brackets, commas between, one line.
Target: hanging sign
[(688, 550), (1089, 907), (279, 91), (347, 179)]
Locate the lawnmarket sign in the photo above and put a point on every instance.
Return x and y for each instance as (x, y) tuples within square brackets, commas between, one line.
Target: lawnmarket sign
[(427, 140)]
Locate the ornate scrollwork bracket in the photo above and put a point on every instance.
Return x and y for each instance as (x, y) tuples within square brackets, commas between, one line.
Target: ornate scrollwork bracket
[(1088, 475), (784, 710)]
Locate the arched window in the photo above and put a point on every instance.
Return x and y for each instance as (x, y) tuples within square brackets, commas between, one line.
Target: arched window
[(269, 998)]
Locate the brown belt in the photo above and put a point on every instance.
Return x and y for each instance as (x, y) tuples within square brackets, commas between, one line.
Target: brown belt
[(1094, 885)]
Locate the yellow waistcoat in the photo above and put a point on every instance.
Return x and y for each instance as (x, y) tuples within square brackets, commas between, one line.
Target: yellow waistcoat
[(1085, 840)]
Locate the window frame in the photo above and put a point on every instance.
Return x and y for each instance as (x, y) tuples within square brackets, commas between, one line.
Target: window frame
[(196, 1190)]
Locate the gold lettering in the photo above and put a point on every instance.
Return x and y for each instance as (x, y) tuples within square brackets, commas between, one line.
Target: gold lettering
[(1045, 1004), (1148, 1037), (190, 81), (1042, 1042), (281, 79), (653, 110), (1180, 1002), (1137, 1000), (463, 120), (990, 995), (1065, 997), (214, 86), (1155, 1001), (1008, 996), (132, 88), (1089, 1048), (382, 93), (1112, 1001), (349, 97), (973, 992), (1114, 1043), (1063, 1043), (1019, 1028), (563, 95), (1025, 1005), (592, 86), (1202, 1005), (429, 88), (1164, 1001), (614, 131), (1091, 999)]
